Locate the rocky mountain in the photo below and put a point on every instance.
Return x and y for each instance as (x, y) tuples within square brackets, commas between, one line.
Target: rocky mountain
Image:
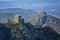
[(36, 18), (47, 26), (27, 31), (43, 18)]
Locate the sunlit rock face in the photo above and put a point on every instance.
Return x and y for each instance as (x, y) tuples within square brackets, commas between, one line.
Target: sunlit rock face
[(5, 33)]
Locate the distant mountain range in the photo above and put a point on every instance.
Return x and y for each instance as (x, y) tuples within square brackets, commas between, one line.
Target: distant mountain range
[(10, 12)]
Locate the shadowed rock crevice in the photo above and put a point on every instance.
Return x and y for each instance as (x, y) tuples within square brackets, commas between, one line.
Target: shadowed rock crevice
[(5, 33)]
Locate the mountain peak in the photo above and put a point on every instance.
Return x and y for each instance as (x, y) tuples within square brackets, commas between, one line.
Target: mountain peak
[(42, 12)]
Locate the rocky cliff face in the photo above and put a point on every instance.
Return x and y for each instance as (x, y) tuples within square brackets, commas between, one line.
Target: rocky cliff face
[(43, 18), (54, 23), (39, 18)]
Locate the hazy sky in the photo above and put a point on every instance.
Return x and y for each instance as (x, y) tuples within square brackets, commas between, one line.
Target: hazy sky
[(51, 6)]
